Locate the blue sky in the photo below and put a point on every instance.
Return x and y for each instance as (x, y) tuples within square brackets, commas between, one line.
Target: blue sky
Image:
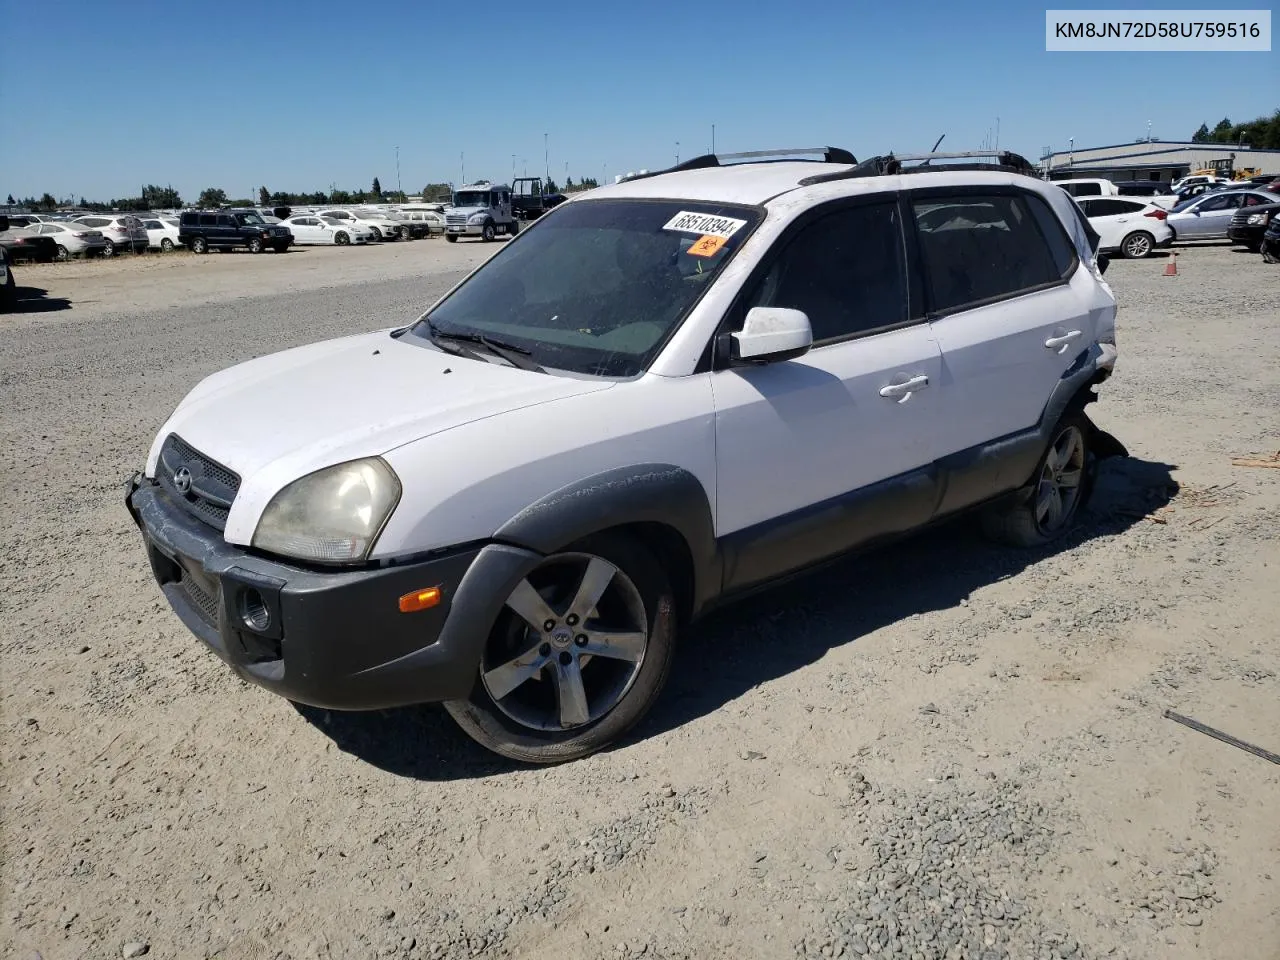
[(301, 95)]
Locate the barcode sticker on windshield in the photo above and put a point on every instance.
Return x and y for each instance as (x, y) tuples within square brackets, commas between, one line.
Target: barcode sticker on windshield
[(704, 224)]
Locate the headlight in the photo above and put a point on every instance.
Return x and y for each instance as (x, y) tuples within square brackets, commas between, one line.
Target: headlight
[(331, 516), (1256, 218), (477, 217)]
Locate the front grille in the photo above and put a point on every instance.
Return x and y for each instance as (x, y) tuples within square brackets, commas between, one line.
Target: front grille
[(212, 486), (456, 220)]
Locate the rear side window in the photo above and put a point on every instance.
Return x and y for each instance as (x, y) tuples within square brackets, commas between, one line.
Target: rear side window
[(846, 271), (208, 220), (983, 248), (1084, 189)]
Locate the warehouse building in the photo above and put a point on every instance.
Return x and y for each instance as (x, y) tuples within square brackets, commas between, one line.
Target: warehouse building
[(1161, 160)]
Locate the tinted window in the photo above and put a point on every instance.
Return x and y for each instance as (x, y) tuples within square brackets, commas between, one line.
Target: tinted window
[(1105, 207), (226, 221), (208, 219), (1252, 200), (1220, 202), (190, 218), (979, 248), (846, 271), (95, 221), (1060, 245), (153, 224)]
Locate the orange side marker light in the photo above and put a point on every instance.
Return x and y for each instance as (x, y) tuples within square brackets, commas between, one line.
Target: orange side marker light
[(420, 600)]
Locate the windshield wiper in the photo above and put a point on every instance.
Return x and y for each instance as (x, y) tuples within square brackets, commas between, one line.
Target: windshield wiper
[(515, 355), (435, 335)]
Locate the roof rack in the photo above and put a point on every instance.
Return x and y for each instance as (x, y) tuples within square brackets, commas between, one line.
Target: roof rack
[(828, 154), (889, 165)]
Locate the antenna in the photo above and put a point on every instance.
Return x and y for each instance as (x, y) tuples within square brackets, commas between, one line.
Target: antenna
[(934, 149)]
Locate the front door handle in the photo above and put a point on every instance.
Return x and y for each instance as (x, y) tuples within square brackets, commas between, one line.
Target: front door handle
[(1060, 342), (901, 392)]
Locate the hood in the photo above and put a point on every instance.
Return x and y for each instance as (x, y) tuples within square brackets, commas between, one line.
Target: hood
[(282, 416)]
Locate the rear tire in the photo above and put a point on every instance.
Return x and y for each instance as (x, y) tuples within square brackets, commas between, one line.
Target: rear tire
[(1137, 245), (109, 250), (513, 228), (1060, 486), (63, 254), (564, 698), (1254, 246), (199, 245), (166, 245)]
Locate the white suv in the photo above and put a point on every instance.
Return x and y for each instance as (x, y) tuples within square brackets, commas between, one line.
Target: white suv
[(664, 393)]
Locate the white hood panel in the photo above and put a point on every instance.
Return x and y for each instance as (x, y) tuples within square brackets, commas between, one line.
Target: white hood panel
[(283, 416)]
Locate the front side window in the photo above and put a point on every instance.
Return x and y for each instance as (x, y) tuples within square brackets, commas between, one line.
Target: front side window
[(225, 220), (982, 248), (846, 271), (600, 285), (252, 218)]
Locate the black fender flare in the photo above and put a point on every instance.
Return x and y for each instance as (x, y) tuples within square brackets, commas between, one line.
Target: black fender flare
[(647, 493)]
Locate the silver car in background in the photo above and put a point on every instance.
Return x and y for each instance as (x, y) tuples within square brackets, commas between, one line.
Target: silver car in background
[(1208, 216)]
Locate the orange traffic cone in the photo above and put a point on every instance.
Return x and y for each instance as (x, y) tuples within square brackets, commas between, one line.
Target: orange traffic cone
[(1171, 268)]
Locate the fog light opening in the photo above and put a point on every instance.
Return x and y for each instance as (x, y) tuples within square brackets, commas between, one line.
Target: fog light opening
[(254, 611)]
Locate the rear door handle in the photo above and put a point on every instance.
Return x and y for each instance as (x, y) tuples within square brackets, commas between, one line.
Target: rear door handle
[(1053, 343), (901, 392)]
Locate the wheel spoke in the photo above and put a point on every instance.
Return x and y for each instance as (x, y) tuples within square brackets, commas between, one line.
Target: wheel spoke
[(616, 646), (530, 607), (1068, 450), (571, 694), (1054, 514), (500, 681), (1069, 479), (1043, 497), (595, 581)]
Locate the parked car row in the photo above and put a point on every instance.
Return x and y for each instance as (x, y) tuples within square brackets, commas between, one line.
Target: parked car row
[(1136, 227), (47, 237)]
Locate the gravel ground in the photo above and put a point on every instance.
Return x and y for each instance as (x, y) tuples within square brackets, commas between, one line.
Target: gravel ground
[(941, 750)]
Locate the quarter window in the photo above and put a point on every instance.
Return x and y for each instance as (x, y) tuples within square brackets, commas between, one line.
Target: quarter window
[(981, 248), (846, 271)]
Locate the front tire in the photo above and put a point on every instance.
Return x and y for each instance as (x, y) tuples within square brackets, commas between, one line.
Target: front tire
[(1060, 487), (1137, 245), (341, 238), (578, 655), (377, 234), (255, 245), (488, 232), (451, 237), (199, 245)]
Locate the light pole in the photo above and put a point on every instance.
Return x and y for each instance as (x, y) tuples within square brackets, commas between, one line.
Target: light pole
[(398, 189), (677, 153), (463, 158), (513, 166), (713, 138), (546, 155), (1071, 151)]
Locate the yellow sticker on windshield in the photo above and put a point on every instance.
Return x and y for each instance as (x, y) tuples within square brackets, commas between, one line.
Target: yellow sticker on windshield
[(707, 245)]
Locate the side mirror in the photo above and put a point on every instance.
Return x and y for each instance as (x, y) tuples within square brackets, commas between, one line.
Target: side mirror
[(770, 334)]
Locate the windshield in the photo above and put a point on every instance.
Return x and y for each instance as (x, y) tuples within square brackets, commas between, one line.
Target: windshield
[(599, 285), (250, 217), (471, 198)]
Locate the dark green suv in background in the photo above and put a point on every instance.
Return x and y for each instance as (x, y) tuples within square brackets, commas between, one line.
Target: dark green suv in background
[(202, 231)]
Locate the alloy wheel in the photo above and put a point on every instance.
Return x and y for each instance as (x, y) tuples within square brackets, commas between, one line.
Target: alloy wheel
[(570, 645), (1058, 492)]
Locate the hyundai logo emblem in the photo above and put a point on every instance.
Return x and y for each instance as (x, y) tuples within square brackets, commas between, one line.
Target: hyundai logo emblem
[(182, 480)]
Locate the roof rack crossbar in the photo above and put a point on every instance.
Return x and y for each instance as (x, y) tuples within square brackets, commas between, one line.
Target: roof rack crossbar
[(890, 164), (828, 154)]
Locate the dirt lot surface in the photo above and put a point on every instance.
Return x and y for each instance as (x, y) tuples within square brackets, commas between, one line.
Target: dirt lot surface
[(945, 749)]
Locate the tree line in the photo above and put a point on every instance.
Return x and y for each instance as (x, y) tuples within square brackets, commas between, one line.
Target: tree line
[(1261, 134), (155, 197)]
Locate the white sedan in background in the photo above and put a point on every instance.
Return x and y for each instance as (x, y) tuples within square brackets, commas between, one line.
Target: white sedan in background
[(1133, 227), (161, 235), (383, 227), (311, 229), (73, 239)]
